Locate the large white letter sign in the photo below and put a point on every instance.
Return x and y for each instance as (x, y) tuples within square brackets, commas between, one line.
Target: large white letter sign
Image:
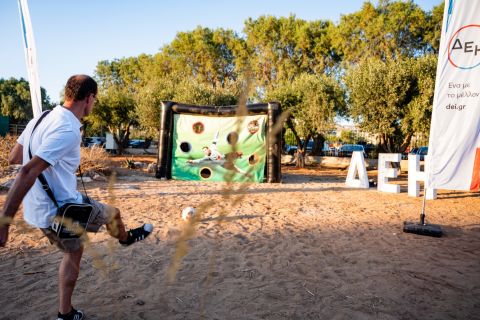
[(384, 172), (454, 145), (357, 163), (415, 176)]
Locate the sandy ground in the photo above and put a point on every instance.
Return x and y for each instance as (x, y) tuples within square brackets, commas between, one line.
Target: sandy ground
[(308, 248)]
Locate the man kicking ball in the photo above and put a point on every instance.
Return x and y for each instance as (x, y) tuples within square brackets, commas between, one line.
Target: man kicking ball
[(54, 141)]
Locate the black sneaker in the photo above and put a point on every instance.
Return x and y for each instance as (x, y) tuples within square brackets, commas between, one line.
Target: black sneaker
[(72, 315), (137, 234)]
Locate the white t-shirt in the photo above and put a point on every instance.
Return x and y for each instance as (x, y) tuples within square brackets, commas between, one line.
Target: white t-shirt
[(57, 141)]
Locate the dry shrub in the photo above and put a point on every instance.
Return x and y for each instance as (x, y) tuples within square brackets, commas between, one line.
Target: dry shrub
[(95, 159), (92, 159), (6, 145)]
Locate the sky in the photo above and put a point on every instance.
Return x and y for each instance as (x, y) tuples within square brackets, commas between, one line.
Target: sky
[(72, 36)]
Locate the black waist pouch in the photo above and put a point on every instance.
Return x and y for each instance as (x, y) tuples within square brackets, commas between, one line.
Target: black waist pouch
[(71, 220)]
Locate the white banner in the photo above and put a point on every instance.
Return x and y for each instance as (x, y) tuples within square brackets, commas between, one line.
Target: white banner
[(30, 57), (454, 146)]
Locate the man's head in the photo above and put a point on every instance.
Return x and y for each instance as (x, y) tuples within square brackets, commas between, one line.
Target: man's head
[(207, 151), (81, 88)]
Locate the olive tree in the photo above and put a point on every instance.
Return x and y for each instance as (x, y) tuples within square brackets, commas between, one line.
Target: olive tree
[(390, 30), (392, 99), (15, 100), (313, 102), (115, 106)]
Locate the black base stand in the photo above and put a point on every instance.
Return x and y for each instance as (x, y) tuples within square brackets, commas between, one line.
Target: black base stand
[(423, 229)]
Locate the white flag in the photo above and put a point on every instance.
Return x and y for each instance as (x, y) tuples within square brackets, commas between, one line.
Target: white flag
[(454, 146), (30, 57)]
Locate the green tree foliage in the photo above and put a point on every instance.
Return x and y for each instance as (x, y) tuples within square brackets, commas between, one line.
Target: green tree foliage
[(191, 91), (420, 107), (288, 59), (321, 99), (115, 107), (210, 56), (186, 90), (391, 30), (202, 67), (332, 138), (16, 102), (283, 48), (349, 136), (313, 102), (434, 27), (392, 99), (126, 72), (149, 100), (378, 94), (157, 81)]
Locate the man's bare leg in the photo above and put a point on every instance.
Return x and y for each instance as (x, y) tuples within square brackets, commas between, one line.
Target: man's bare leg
[(116, 228), (67, 278)]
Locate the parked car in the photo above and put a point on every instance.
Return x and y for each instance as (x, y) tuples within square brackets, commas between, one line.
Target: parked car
[(329, 151), (406, 153), (413, 151), (309, 147), (422, 152), (95, 141), (136, 144), (347, 150), (290, 149), (370, 151)]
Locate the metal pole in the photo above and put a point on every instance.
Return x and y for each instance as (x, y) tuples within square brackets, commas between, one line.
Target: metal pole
[(422, 215)]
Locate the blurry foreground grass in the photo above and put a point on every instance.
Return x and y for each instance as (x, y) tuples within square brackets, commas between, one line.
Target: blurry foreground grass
[(6, 145)]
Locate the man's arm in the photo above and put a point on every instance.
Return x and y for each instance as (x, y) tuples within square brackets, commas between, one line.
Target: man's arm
[(200, 160), (215, 138), (23, 182), (16, 155), (213, 146)]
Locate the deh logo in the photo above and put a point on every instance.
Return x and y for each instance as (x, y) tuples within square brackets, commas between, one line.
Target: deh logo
[(464, 47)]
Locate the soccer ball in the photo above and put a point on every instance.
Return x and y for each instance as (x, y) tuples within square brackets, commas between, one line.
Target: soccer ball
[(188, 213)]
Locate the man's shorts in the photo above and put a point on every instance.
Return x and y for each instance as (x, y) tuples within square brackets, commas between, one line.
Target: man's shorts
[(101, 214)]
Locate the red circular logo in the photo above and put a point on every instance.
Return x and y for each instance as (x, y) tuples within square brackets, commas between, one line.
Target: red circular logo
[(198, 127), (464, 47)]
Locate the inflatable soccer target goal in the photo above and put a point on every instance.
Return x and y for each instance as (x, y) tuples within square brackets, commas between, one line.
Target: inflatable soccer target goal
[(210, 143)]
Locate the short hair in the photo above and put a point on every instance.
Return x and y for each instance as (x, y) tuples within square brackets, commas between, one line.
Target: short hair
[(79, 87)]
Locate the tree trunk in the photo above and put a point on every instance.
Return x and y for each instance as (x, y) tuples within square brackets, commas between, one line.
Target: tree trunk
[(385, 144), (118, 140), (301, 147), (292, 127), (119, 143), (405, 143), (300, 159), (318, 141)]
